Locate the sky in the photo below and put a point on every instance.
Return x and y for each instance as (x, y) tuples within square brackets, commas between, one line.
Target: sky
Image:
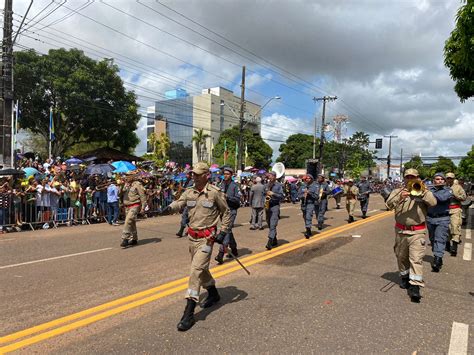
[(384, 63)]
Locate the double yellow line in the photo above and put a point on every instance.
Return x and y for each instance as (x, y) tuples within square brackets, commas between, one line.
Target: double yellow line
[(83, 318)]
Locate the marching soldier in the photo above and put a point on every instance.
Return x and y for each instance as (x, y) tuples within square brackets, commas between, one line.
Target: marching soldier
[(351, 192), (309, 197), (184, 216), (455, 213), (324, 191), (207, 205), (364, 191), (274, 195), (438, 219), (232, 194), (410, 231), (134, 200)]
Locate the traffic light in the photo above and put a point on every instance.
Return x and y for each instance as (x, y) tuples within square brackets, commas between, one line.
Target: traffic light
[(378, 143)]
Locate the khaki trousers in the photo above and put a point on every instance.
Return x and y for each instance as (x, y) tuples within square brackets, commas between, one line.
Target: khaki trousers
[(455, 222), (410, 250), (350, 206), (200, 250), (130, 226)]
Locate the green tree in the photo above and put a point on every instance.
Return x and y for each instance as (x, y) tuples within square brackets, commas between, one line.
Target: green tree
[(459, 52), (443, 165), (296, 150), (466, 166), (417, 163), (259, 152), (88, 99), (199, 140)]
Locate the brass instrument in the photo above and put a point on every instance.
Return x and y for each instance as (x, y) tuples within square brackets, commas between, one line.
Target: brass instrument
[(268, 197), (416, 187)]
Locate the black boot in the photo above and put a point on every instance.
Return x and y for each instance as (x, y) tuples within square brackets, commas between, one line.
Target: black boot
[(437, 264), (405, 283), (219, 257), (454, 249), (124, 243), (187, 320), (364, 215), (414, 292), (269, 244), (307, 234), (351, 219), (180, 232), (320, 226), (448, 246), (212, 297), (274, 242)]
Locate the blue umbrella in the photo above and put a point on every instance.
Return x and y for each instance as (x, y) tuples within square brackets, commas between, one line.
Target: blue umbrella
[(73, 161), (180, 177), (214, 170), (30, 172), (122, 166), (99, 169)]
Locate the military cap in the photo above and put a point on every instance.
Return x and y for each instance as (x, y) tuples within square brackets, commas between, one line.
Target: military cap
[(412, 172), (200, 168), (229, 169), (450, 175), (309, 175), (441, 175), (272, 173)]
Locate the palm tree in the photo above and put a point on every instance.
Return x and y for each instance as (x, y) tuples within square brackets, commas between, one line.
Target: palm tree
[(199, 140), (163, 145)]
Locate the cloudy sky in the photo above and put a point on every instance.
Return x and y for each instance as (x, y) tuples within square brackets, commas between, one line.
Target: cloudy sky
[(384, 63)]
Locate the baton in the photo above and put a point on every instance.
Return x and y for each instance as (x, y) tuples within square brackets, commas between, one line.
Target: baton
[(238, 261)]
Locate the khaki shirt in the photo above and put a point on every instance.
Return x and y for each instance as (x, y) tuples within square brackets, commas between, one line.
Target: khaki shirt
[(205, 208), (351, 193), (412, 211), (134, 193), (458, 195)]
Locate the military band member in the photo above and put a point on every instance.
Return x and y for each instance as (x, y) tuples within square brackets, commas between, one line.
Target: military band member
[(309, 197), (184, 216), (455, 213), (350, 191), (410, 232), (207, 205), (232, 194), (438, 219), (134, 200), (274, 195), (324, 191), (364, 193), (257, 203)]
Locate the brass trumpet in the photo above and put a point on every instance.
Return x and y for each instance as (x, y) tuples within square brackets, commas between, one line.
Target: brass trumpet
[(416, 187)]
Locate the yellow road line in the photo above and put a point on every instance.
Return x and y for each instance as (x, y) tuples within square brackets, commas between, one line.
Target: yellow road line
[(167, 289)]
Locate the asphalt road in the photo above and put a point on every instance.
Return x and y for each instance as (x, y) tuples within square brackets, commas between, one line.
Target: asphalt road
[(335, 293)]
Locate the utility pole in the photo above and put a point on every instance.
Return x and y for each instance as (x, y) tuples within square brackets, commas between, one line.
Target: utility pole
[(321, 142), (6, 87), (389, 161), (401, 163), (241, 119)]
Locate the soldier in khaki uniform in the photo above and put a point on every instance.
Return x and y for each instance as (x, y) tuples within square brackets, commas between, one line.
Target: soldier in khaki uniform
[(455, 212), (410, 232), (206, 205), (351, 192), (134, 200)]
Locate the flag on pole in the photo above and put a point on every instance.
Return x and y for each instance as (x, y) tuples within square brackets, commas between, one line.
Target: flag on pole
[(226, 152), (52, 136)]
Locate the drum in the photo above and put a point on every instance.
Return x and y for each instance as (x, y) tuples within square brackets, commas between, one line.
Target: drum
[(336, 191)]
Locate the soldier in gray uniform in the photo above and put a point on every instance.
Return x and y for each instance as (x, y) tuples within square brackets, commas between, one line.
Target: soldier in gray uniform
[(273, 196), (232, 194), (438, 219), (323, 192), (309, 196), (257, 202), (364, 192), (185, 217)]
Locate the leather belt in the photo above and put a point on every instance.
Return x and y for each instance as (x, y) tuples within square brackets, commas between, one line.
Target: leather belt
[(410, 228)]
